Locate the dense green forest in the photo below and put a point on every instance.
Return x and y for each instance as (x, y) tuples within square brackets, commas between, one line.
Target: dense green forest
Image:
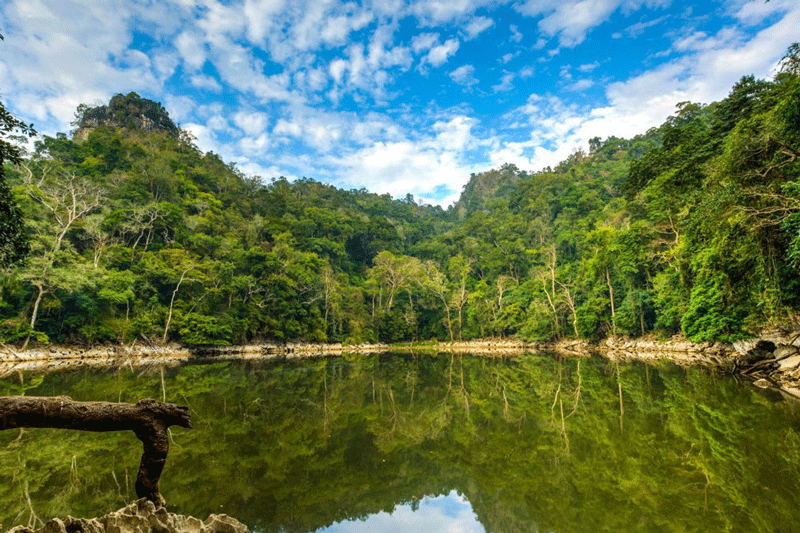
[(134, 233)]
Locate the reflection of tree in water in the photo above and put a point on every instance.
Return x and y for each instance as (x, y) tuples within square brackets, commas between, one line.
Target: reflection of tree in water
[(534, 443)]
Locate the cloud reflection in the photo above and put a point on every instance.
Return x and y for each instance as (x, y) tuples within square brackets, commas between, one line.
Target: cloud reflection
[(442, 514)]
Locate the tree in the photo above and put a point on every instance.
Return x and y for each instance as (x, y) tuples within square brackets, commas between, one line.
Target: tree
[(66, 198), (13, 243)]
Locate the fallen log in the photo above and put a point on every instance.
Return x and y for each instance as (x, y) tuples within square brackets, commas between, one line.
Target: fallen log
[(147, 418)]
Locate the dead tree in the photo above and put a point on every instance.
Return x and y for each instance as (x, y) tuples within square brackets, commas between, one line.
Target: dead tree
[(147, 418)]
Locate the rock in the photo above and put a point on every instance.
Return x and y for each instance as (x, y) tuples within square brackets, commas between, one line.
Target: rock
[(783, 351), (140, 516), (223, 523), (759, 351), (763, 383), (790, 362), (54, 526)]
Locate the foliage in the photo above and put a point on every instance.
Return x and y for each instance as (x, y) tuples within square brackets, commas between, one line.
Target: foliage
[(13, 241), (692, 227)]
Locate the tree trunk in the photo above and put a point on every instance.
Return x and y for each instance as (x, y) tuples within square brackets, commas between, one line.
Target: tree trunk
[(172, 303), (611, 297), (147, 418), (34, 313)]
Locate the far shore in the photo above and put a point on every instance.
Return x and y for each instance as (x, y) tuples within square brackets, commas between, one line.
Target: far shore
[(772, 359)]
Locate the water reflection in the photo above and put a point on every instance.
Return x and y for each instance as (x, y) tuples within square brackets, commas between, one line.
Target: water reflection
[(442, 514), (534, 443)]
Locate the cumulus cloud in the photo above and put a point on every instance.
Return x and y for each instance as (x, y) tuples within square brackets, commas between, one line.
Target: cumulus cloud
[(464, 75), (476, 26), (251, 122), (435, 52), (395, 166), (438, 55)]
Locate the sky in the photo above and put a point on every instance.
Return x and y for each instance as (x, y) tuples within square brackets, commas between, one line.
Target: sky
[(394, 96)]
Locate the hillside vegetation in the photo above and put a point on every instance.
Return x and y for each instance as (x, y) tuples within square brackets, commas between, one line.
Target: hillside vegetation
[(691, 227)]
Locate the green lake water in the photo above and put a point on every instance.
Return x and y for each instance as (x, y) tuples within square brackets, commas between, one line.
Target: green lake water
[(427, 443)]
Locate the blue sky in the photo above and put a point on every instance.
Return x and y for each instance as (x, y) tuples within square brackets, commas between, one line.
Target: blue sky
[(396, 96)]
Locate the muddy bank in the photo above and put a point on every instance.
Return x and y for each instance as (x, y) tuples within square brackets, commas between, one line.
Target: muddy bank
[(140, 516), (770, 359)]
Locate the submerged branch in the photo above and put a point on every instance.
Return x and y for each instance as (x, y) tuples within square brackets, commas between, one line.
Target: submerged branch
[(147, 418)]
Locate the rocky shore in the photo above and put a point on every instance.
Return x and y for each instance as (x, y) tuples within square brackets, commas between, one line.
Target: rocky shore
[(140, 516), (771, 359)]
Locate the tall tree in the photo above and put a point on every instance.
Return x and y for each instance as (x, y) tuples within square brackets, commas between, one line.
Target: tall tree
[(13, 243)]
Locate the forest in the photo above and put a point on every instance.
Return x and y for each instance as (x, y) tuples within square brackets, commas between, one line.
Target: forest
[(124, 230)]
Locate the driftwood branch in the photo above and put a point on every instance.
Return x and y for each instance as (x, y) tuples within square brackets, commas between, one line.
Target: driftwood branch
[(148, 419)]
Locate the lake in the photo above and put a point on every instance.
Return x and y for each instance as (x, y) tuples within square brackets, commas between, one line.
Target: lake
[(428, 443)]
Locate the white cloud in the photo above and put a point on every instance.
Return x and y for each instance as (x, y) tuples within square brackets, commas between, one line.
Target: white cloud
[(207, 83), (191, 48), (754, 13), (395, 166), (516, 35), (424, 41), (464, 75), (571, 20), (205, 139), (180, 108), (436, 12), (508, 57), (251, 122), (506, 83), (476, 26), (580, 85), (639, 28), (589, 67), (260, 16), (437, 52)]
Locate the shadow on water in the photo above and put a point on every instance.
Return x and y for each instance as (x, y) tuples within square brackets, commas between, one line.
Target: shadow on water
[(534, 443)]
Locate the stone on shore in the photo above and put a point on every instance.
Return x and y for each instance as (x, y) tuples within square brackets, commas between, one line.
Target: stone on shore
[(140, 516)]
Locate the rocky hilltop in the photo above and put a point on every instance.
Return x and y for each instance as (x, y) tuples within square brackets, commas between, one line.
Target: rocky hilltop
[(129, 111), (140, 516)]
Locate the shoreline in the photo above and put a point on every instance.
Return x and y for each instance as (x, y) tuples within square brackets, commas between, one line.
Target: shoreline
[(771, 360)]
